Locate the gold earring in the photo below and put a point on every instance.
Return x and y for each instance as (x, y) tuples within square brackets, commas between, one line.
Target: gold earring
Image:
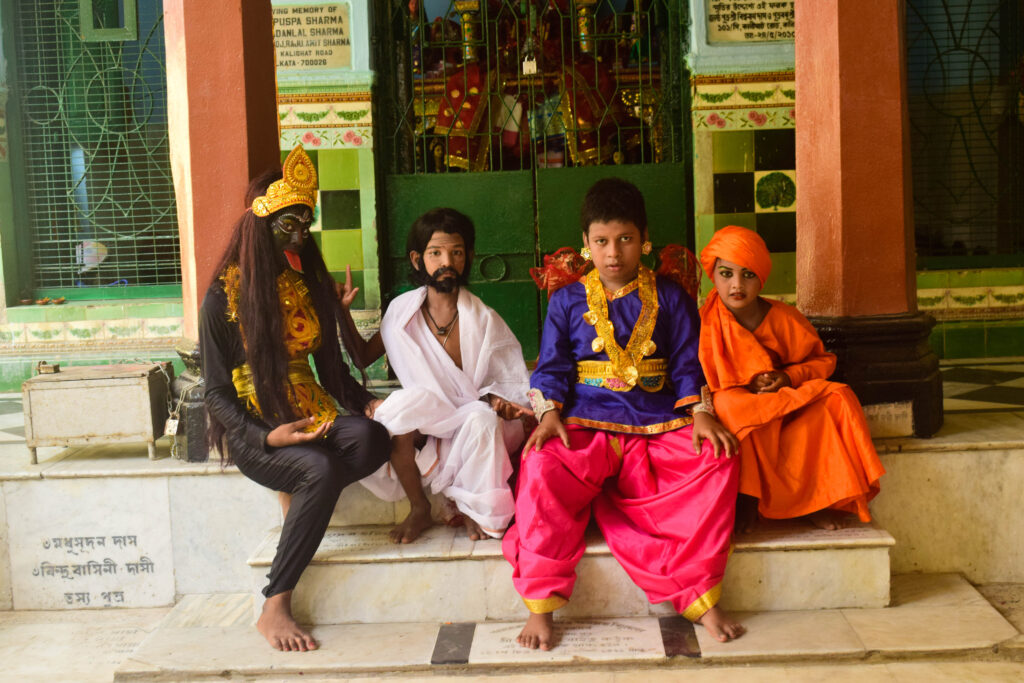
[(646, 247), (585, 253)]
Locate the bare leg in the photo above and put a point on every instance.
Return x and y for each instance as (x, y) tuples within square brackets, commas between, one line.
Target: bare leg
[(286, 502), (277, 625), (538, 632), (473, 529), (403, 459), (720, 625), (830, 520)]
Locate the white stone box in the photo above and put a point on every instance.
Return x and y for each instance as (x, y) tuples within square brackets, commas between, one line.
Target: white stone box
[(96, 404)]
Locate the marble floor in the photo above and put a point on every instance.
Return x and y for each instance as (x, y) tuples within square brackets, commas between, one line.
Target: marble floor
[(979, 386), (939, 629)]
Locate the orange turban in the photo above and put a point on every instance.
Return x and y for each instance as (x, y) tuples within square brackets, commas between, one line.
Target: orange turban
[(740, 246)]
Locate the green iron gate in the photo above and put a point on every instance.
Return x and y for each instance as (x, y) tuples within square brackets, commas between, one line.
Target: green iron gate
[(965, 68), (509, 110), (93, 156)]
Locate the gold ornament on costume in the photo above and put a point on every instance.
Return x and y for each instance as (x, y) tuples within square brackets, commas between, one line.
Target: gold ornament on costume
[(585, 253), (624, 362), (646, 247), (301, 328), (297, 186), (597, 345)]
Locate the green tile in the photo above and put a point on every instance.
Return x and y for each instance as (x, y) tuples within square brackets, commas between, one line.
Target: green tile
[(26, 314), (340, 210), (149, 310), (965, 340), (1004, 339), (359, 303), (339, 169), (744, 220), (993, 277), (105, 312), (371, 288), (733, 151), (932, 279), (783, 276), (62, 313), (318, 238), (341, 248)]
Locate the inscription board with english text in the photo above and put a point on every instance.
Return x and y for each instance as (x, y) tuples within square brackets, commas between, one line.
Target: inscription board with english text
[(313, 36)]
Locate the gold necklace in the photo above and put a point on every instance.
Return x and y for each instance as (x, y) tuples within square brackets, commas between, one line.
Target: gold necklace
[(624, 361)]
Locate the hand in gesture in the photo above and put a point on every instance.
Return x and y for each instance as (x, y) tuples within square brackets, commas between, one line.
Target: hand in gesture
[(345, 291), (290, 433), (507, 410), (769, 382)]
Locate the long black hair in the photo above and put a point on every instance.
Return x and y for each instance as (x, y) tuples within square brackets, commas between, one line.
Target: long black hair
[(253, 249)]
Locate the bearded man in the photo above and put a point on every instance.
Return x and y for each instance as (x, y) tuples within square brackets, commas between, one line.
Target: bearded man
[(464, 385), (272, 305)]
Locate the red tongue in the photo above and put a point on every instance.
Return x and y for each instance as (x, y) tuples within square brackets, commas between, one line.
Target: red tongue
[(293, 260)]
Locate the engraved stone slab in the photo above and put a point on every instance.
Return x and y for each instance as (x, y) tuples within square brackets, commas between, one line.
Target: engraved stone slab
[(795, 534), (606, 640), (90, 543)]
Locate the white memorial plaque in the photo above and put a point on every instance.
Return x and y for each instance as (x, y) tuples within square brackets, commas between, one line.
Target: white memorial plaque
[(596, 640), (750, 21), (313, 36), (90, 543)]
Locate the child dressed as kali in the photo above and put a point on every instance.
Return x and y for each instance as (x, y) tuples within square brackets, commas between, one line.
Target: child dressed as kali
[(617, 390), (805, 449)]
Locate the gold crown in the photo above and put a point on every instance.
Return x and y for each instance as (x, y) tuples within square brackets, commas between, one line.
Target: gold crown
[(298, 186)]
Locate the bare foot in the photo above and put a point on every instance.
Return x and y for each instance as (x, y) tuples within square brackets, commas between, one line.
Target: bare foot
[(473, 529), (279, 628), (415, 523), (720, 625), (830, 520), (538, 632)]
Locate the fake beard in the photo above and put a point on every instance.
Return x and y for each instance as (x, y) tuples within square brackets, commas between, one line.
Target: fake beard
[(448, 284), (294, 260)]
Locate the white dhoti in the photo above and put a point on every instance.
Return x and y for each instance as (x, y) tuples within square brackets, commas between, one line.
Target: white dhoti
[(466, 455)]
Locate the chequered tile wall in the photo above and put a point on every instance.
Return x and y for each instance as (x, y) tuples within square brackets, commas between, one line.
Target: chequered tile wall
[(343, 224)]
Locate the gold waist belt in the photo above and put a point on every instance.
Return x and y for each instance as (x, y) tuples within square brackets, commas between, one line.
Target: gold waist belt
[(304, 393), (597, 373)]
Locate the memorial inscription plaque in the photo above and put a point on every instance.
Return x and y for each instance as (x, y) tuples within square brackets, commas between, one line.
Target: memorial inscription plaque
[(750, 21), (313, 36)]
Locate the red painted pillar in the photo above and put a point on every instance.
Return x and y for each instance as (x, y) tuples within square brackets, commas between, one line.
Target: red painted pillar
[(223, 125), (855, 232)]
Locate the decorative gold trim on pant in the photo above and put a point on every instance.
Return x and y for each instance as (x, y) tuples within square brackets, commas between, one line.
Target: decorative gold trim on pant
[(545, 605), (702, 604)]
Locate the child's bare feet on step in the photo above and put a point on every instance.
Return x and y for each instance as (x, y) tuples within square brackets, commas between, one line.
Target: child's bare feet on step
[(473, 529), (538, 632), (720, 625), (279, 628), (415, 523), (830, 520)]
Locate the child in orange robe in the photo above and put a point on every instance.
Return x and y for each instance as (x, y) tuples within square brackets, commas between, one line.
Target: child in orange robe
[(805, 449)]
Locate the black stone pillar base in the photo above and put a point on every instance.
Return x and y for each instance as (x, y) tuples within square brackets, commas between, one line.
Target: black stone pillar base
[(188, 392), (887, 359)]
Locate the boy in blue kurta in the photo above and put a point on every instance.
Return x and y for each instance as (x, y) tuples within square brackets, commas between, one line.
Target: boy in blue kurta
[(618, 383)]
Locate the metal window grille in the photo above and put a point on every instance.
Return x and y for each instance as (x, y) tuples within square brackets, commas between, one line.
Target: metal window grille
[(506, 85), (99, 192), (965, 63)]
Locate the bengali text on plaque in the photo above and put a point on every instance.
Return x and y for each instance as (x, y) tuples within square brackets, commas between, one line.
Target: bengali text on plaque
[(750, 21), (313, 36)]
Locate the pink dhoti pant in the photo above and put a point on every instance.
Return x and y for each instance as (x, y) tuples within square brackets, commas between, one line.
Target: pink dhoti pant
[(666, 513)]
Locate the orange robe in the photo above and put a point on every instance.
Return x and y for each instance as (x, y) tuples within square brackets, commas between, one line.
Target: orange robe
[(804, 448)]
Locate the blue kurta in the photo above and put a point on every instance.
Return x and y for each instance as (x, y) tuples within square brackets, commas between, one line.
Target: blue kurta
[(568, 338)]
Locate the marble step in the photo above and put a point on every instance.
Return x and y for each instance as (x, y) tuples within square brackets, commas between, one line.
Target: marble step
[(358, 576), (205, 638)]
